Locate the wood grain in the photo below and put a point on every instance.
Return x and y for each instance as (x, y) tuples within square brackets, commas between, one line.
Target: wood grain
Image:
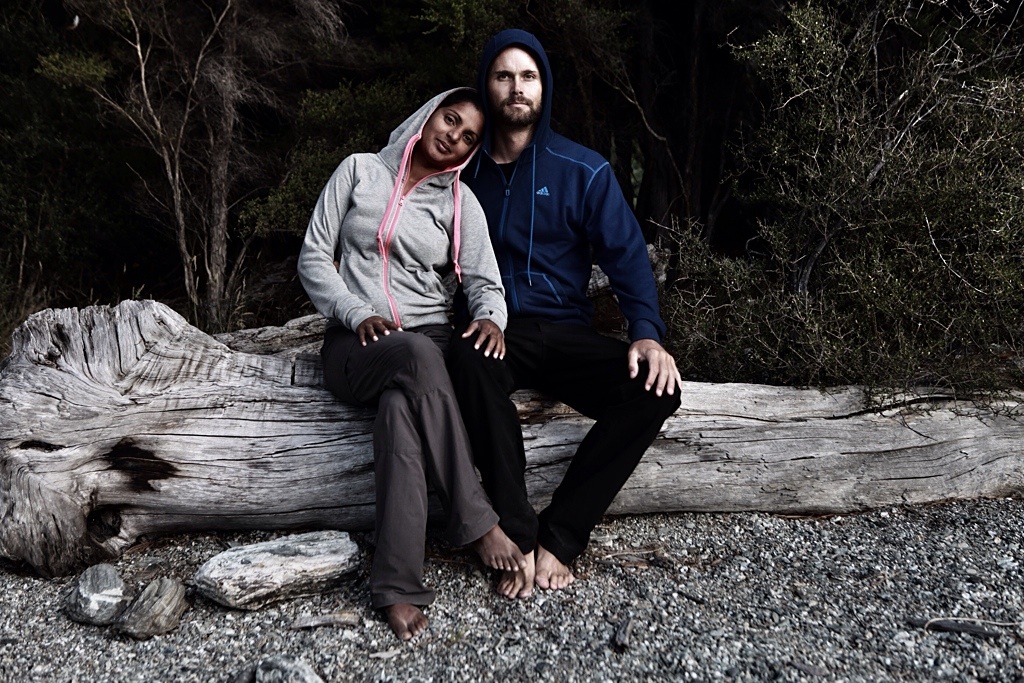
[(125, 421)]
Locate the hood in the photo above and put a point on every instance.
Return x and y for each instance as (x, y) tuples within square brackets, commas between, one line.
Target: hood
[(403, 138), (527, 41), (397, 154)]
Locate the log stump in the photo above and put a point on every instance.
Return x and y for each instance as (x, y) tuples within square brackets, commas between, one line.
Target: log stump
[(124, 421)]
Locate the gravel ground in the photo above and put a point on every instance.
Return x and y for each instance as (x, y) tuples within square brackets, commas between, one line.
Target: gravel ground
[(706, 597)]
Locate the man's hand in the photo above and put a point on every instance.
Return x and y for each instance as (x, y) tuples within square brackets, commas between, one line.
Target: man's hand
[(489, 336), (662, 373), (373, 326)]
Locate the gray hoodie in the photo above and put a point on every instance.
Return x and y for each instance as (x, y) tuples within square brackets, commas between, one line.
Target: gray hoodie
[(394, 252)]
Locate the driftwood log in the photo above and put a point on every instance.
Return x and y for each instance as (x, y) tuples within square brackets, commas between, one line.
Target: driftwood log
[(119, 422)]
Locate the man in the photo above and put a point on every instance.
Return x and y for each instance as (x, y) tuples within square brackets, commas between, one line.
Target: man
[(552, 206)]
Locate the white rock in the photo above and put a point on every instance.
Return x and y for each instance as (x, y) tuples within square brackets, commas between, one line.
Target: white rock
[(251, 576), (97, 597)]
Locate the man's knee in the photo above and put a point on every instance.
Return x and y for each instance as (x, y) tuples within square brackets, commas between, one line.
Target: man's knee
[(669, 403), (659, 408), (461, 352), (467, 364)]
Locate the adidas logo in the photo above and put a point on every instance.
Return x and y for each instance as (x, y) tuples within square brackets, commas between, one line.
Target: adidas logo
[(543, 192)]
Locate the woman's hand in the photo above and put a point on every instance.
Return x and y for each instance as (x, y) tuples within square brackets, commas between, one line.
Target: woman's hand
[(489, 336), (373, 326)]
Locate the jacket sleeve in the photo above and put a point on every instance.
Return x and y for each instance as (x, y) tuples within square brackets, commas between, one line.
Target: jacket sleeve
[(621, 252), (317, 272), (481, 280)]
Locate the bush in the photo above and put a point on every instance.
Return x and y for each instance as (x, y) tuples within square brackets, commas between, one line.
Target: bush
[(888, 163)]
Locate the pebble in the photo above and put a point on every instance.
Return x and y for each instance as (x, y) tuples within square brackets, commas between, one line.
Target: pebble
[(746, 597), (97, 597), (155, 611)]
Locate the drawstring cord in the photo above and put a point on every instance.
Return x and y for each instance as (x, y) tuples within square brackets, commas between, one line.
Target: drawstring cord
[(533, 199)]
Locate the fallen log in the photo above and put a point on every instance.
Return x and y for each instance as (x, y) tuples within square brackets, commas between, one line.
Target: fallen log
[(119, 422)]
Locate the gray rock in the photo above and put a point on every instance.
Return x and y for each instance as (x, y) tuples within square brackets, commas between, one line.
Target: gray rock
[(277, 669), (285, 669), (156, 610), (252, 576), (96, 597)]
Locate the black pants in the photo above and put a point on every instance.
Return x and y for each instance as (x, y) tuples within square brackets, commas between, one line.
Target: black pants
[(588, 372)]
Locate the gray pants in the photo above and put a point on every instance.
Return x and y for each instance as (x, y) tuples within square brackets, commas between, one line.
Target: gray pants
[(418, 437)]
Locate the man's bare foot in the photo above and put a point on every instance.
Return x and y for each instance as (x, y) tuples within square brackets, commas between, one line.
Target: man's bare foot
[(519, 583), (406, 620), (551, 573), (498, 551)]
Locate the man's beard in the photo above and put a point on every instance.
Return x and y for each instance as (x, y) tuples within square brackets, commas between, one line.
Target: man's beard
[(516, 118)]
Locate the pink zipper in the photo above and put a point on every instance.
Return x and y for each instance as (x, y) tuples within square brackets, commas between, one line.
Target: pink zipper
[(386, 230), (385, 251)]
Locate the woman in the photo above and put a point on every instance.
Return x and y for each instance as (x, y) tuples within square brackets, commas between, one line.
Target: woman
[(386, 230)]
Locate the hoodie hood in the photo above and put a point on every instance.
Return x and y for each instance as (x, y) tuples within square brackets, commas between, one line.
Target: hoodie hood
[(527, 41), (397, 155)]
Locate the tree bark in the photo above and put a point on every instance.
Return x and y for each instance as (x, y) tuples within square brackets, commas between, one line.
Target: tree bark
[(119, 422)]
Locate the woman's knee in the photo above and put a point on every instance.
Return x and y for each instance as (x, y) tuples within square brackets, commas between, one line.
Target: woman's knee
[(425, 363)]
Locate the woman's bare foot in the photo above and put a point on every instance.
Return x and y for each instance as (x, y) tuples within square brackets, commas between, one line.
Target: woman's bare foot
[(406, 620), (551, 573), (498, 551), (519, 583)]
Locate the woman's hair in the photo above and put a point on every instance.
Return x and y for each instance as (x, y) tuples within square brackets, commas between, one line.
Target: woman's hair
[(463, 95)]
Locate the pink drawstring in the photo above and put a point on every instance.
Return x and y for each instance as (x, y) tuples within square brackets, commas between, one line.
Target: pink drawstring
[(396, 191), (457, 228)]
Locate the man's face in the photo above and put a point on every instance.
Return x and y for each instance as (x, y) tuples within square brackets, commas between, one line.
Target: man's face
[(514, 89)]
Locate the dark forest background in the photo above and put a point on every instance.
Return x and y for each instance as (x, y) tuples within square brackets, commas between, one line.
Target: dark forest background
[(834, 189)]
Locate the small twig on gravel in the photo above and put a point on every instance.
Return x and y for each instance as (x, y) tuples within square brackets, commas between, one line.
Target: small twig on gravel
[(967, 625), (620, 641), (634, 551)]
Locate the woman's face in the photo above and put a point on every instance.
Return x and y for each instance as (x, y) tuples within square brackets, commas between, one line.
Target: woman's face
[(450, 134)]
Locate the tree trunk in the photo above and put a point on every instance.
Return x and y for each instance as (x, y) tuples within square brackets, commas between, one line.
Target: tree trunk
[(118, 422)]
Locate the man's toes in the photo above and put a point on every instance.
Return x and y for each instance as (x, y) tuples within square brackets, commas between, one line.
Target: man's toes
[(508, 586)]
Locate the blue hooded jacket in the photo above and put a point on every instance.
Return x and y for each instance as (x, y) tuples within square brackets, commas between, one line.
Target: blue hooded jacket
[(561, 209)]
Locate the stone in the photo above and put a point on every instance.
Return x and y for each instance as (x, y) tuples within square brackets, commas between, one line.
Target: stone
[(252, 576), (278, 669), (156, 610), (97, 597)]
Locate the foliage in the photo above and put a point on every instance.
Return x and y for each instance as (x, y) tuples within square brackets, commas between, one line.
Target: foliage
[(469, 22), (889, 163), (65, 225), (874, 146), (368, 112), (194, 84), (379, 88)]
